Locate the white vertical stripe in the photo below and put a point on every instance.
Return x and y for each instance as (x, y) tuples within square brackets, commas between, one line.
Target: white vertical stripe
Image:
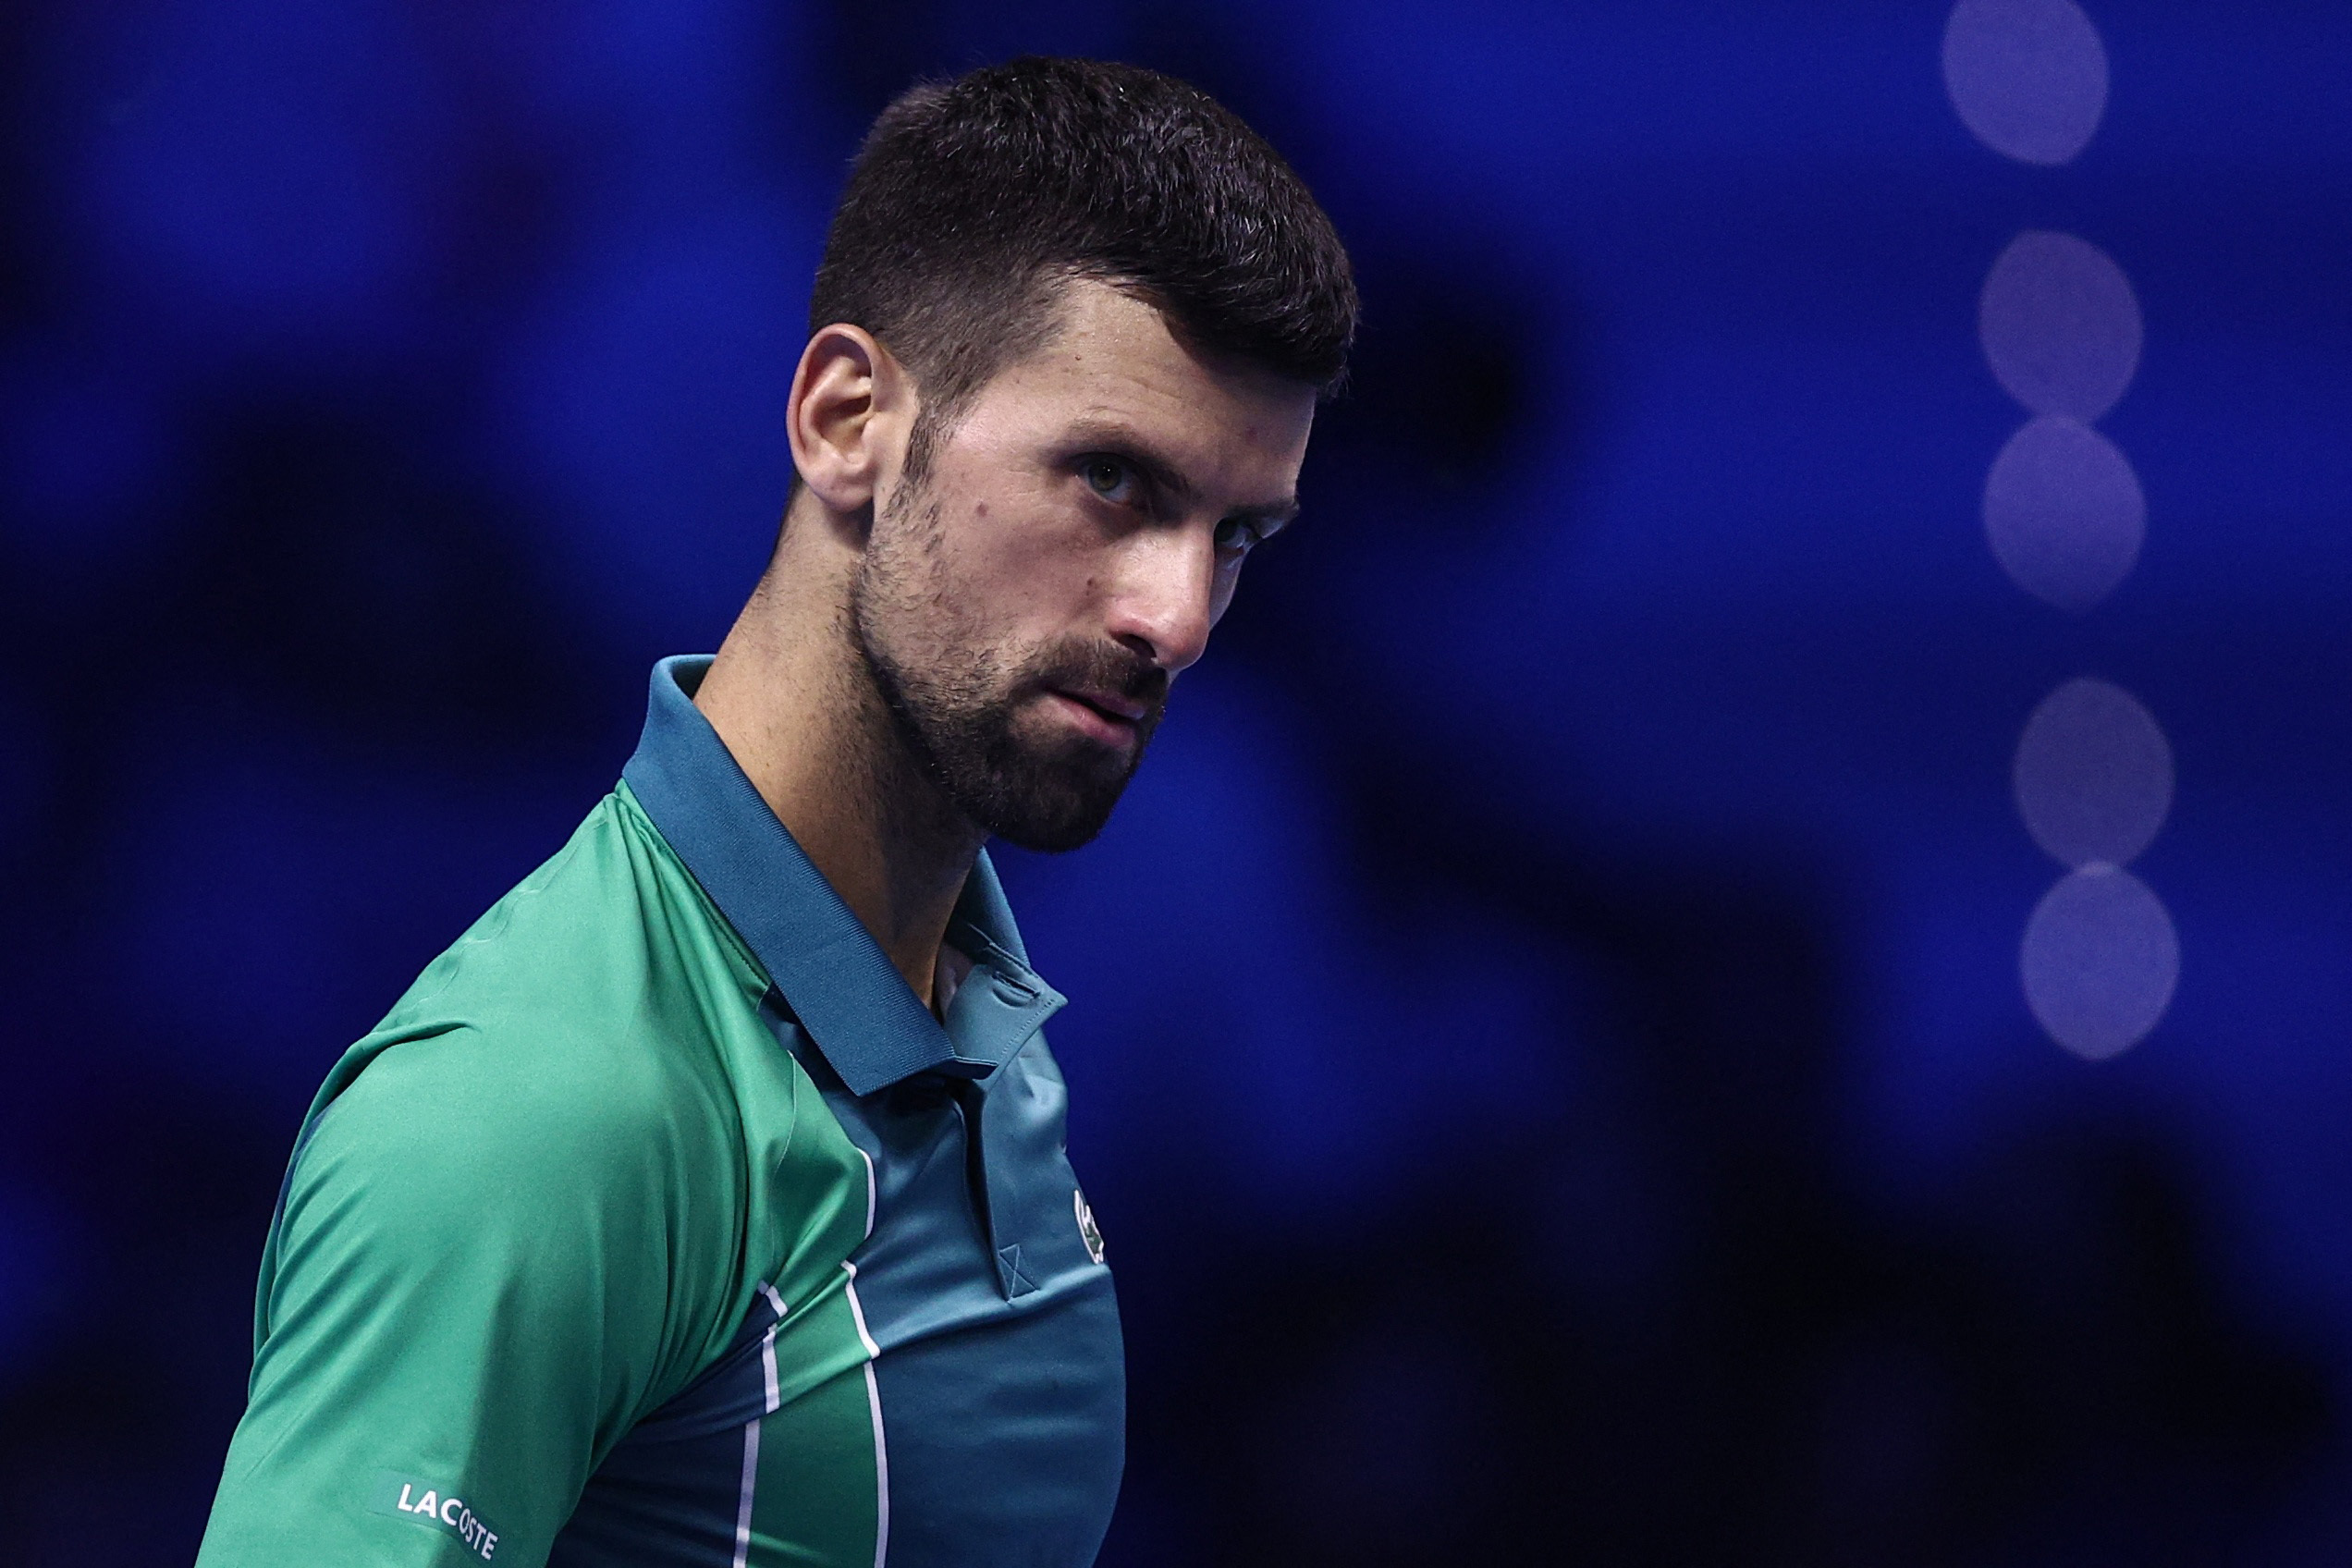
[(873, 1403), (744, 1501), (857, 1313), (869, 1190), (767, 1347), (881, 1470), (751, 1430)]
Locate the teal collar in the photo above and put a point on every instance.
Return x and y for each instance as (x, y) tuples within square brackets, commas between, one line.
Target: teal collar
[(834, 977)]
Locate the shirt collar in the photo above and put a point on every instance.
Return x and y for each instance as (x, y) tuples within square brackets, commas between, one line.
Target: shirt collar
[(834, 976)]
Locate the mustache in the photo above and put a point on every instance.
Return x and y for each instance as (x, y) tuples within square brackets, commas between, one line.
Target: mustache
[(1105, 666)]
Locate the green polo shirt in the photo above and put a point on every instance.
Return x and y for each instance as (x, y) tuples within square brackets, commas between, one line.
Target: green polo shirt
[(660, 1224)]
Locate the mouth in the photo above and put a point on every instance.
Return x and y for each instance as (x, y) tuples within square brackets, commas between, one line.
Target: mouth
[(1103, 716)]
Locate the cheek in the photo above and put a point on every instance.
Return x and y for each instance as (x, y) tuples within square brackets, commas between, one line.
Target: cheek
[(1024, 563), (981, 598)]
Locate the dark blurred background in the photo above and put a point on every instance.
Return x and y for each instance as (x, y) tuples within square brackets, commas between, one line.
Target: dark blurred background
[(1547, 1043)]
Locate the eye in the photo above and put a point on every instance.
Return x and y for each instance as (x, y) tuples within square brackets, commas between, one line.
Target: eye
[(1240, 535), (1108, 477)]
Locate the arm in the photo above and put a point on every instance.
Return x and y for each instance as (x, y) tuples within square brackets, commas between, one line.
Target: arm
[(465, 1303)]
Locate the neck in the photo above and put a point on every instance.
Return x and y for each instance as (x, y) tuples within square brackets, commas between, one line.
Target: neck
[(793, 702)]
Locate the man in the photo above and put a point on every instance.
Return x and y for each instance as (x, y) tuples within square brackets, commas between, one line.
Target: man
[(706, 1204)]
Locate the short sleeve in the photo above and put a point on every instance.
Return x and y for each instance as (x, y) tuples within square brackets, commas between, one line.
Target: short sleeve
[(472, 1291)]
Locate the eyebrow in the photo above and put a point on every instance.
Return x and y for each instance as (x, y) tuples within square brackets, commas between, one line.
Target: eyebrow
[(1120, 441)]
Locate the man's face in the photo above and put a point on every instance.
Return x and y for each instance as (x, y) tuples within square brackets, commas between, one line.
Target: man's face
[(1023, 608)]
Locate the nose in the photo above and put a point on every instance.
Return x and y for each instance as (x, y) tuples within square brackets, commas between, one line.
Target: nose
[(1164, 600)]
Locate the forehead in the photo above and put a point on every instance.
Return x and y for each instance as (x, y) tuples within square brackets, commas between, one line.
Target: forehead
[(1112, 363)]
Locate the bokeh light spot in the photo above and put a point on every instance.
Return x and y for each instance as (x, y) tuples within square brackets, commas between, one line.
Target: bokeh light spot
[(2099, 961), (2060, 325), (2029, 77), (2064, 513), (2093, 774)]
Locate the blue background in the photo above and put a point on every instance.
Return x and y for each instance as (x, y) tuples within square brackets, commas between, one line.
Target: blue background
[(1546, 1043)]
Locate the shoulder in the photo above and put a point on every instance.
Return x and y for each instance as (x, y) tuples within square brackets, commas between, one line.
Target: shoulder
[(580, 1032), (458, 1172), (470, 1105), (609, 927)]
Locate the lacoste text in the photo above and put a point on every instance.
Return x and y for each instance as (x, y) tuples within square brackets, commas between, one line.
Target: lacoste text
[(454, 1514)]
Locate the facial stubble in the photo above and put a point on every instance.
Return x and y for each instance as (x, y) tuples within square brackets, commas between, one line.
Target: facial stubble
[(956, 700)]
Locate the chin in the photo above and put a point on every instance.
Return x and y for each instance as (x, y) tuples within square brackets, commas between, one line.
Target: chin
[(1053, 827), (1055, 807)]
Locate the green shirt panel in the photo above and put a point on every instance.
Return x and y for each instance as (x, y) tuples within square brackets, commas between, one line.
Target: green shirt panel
[(525, 1212), (816, 1504)]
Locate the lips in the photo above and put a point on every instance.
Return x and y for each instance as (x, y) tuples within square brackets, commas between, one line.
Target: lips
[(1110, 705), (1102, 716)]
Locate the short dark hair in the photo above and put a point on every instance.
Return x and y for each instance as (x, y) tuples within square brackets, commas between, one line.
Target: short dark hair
[(973, 201)]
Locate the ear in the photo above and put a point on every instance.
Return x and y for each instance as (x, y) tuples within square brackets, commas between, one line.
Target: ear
[(849, 416)]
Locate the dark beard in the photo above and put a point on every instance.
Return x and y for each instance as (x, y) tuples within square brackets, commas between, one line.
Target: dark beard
[(958, 727)]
